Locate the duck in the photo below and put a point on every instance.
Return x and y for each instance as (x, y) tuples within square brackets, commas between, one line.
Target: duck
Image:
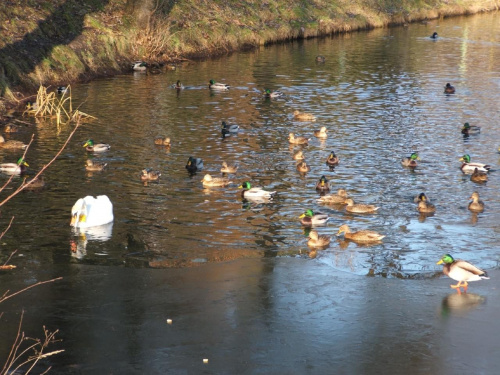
[(299, 155), (322, 186), (332, 160), (212, 85), (35, 183), (316, 240), (14, 168), (303, 116), (410, 161), (91, 211), (359, 208), (461, 271), (273, 94), (90, 146), (361, 236), (148, 174), (469, 129), (93, 166), (209, 181), (302, 167), (178, 85), (140, 66), (309, 218), (449, 89), (297, 140), (476, 205), (11, 128), (11, 144), (478, 176), (229, 129), (468, 167), (425, 207), (338, 198), (251, 193), (162, 141), (320, 59), (228, 168), (434, 35), (194, 164), (62, 90), (321, 133), (421, 197)]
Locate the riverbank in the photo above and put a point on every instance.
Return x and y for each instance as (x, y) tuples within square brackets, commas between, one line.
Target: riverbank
[(56, 42)]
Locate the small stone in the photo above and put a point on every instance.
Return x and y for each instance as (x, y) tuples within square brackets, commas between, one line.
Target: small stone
[(205, 360), (169, 321)]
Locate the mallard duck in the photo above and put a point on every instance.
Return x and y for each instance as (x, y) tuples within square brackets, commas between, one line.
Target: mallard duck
[(228, 129), (461, 271), (35, 183), (338, 198), (149, 174), (316, 240), (251, 193), (93, 166), (434, 35), (359, 208), (14, 168), (62, 90), (332, 160), (426, 207), (468, 167), (469, 129), (11, 144), (320, 59), (302, 116), (228, 168), (299, 155), (309, 218), (361, 236), (178, 85), (421, 197), (302, 167), (297, 140), (449, 89), (322, 185), (212, 85), (90, 146), (410, 161), (11, 128), (478, 176), (91, 212), (321, 133), (162, 141), (194, 164), (140, 66), (476, 205), (273, 94), (215, 181)]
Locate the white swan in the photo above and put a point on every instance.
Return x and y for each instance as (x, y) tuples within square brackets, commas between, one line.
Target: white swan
[(91, 212)]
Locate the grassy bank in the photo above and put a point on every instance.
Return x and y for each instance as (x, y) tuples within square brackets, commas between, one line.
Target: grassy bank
[(54, 42)]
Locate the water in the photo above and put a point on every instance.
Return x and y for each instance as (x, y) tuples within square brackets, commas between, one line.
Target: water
[(379, 93)]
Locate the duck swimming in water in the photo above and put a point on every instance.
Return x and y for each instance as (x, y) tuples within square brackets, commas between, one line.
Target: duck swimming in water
[(449, 89)]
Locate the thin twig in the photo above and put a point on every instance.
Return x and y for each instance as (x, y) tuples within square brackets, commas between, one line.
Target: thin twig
[(6, 229), (6, 297)]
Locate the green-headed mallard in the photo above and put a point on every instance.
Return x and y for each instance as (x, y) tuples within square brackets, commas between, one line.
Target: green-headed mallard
[(14, 168), (299, 155), (361, 236), (461, 271), (332, 160), (303, 116), (215, 181), (316, 240), (426, 207), (322, 186), (254, 193), (11, 144), (468, 167), (321, 133), (359, 208), (469, 129), (273, 94), (302, 167), (297, 140), (139, 66), (228, 168), (90, 146), (478, 176), (11, 128), (434, 35), (90, 212), (229, 129), (212, 85), (162, 141), (410, 161), (476, 205), (194, 164), (449, 89), (309, 218), (94, 166), (148, 174), (338, 198)]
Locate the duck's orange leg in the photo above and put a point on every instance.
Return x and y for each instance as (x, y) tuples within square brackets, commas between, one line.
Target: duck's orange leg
[(457, 287), (465, 286)]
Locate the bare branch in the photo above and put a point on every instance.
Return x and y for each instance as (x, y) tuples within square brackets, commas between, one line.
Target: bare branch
[(7, 296)]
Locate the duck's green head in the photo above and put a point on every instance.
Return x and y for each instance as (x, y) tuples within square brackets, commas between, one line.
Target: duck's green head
[(323, 180), (90, 142), (21, 161), (465, 158), (447, 258), (212, 82), (307, 213), (414, 156), (267, 92), (466, 126), (245, 185)]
